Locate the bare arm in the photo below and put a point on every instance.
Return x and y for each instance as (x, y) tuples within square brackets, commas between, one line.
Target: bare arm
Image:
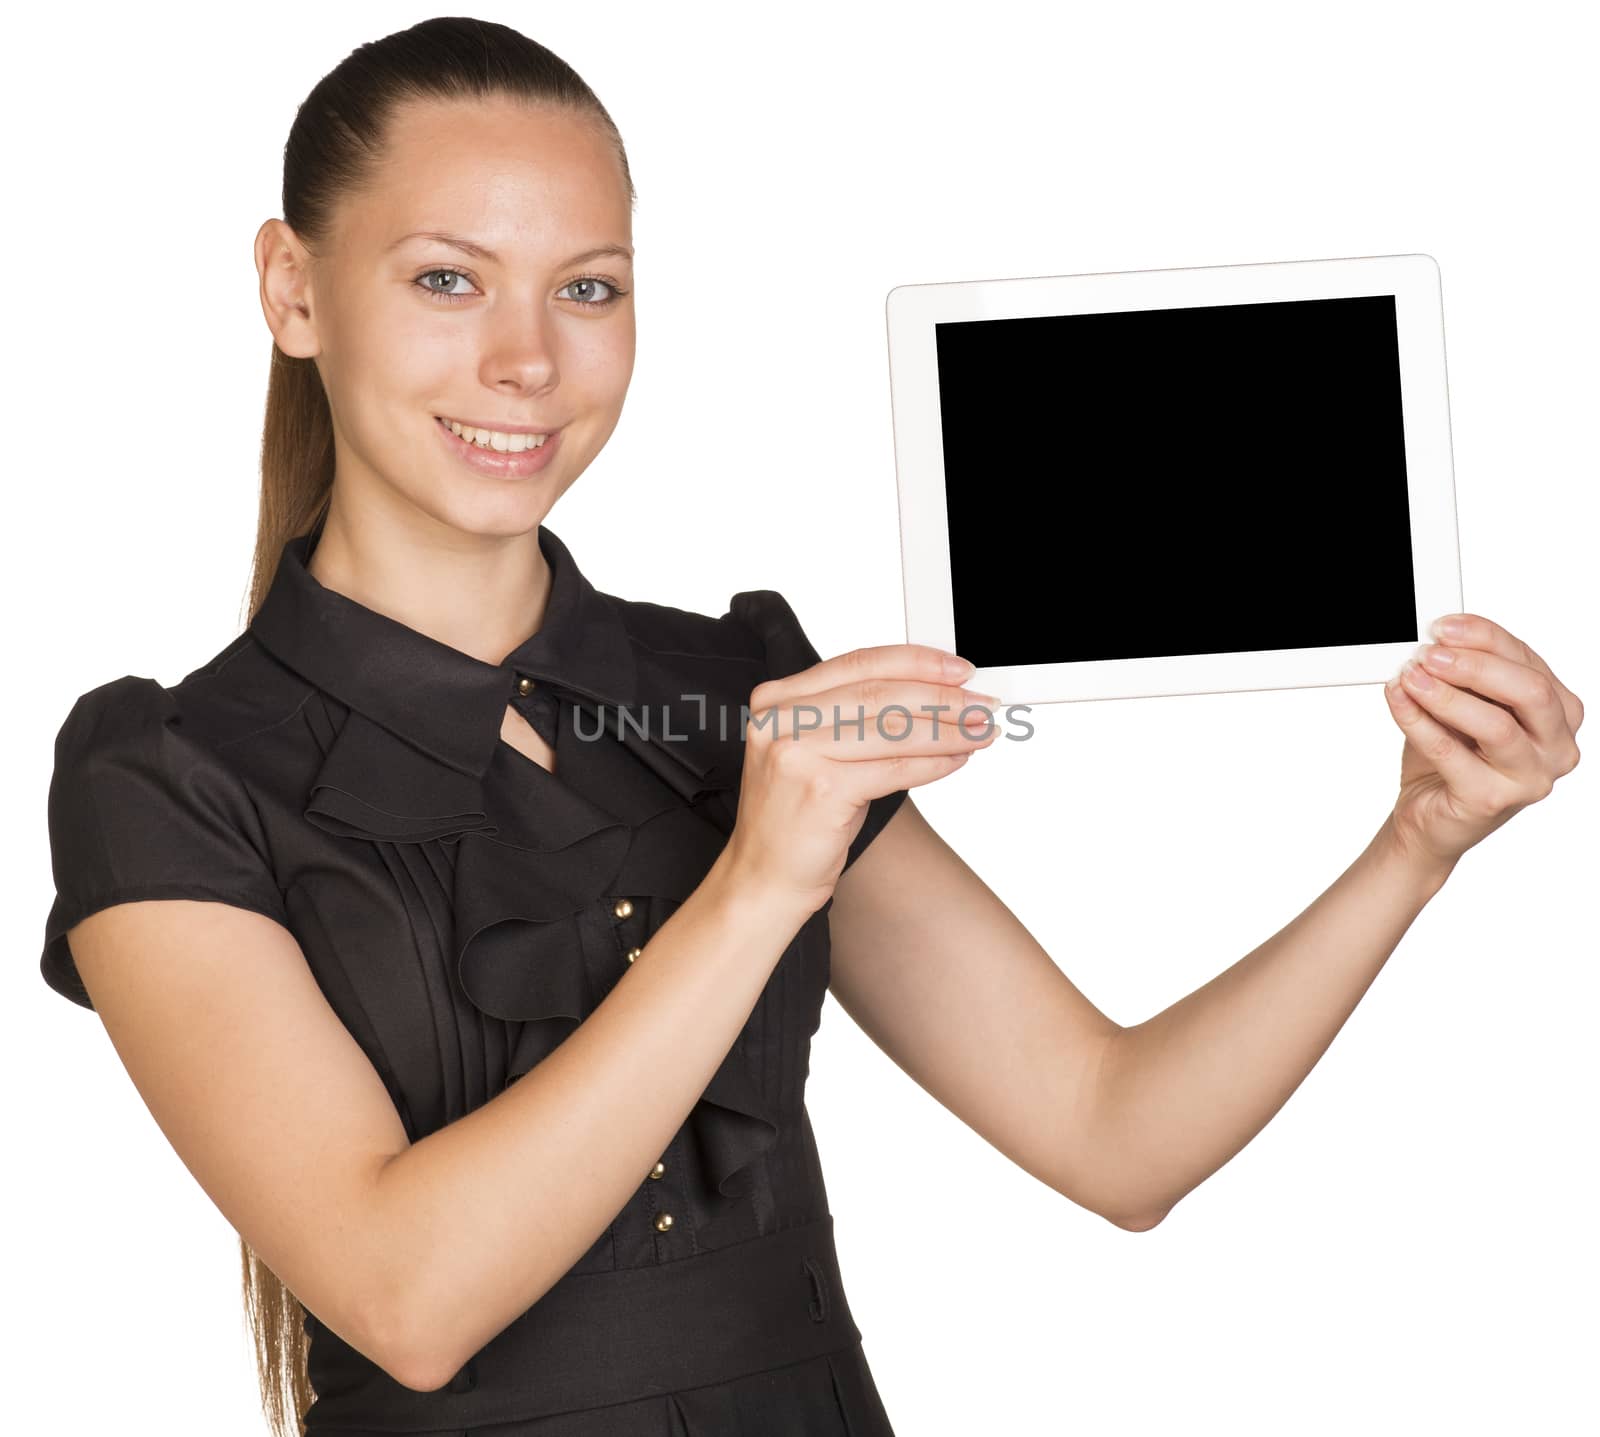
[(486, 1214), (416, 1255), (262, 1092), (1123, 1120), (945, 978), (1182, 1092)]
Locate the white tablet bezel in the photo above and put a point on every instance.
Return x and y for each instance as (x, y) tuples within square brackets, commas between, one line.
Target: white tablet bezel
[(1413, 279)]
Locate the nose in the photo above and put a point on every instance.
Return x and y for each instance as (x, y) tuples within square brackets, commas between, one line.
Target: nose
[(520, 350)]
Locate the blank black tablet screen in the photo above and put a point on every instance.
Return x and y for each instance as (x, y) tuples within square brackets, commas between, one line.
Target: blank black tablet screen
[(1176, 481)]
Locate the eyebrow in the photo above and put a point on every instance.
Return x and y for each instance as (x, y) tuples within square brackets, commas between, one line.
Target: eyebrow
[(478, 251)]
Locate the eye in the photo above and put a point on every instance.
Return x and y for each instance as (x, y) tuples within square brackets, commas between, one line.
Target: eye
[(439, 293), (616, 292)]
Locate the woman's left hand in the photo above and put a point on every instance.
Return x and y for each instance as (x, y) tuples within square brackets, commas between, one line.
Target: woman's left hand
[(1487, 733)]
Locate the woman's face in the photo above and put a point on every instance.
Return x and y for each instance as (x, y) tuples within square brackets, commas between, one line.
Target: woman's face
[(537, 331)]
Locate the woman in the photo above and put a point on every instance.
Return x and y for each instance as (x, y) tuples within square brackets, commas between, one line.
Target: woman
[(525, 935)]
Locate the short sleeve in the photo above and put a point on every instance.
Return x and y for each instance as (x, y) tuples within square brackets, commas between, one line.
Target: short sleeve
[(138, 810), (788, 650)]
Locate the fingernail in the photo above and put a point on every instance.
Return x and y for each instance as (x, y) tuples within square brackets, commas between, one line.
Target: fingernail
[(956, 667), (1451, 628)]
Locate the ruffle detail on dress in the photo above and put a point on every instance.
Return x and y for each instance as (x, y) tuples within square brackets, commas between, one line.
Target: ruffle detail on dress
[(552, 854), (519, 911), (733, 1123), (534, 858), (372, 784), (519, 954)]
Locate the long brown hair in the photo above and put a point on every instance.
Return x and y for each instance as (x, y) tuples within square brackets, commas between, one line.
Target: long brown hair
[(334, 144)]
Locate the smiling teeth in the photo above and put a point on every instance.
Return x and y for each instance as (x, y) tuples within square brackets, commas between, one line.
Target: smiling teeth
[(496, 438)]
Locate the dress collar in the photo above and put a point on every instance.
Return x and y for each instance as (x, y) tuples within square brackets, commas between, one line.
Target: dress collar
[(445, 702)]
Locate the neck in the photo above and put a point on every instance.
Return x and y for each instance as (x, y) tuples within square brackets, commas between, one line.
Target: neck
[(482, 595)]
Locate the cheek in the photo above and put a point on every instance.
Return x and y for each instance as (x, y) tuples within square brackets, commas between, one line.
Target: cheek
[(602, 361), (417, 354), (388, 358)]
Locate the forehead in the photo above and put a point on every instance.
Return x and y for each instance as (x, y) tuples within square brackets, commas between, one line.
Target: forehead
[(505, 172)]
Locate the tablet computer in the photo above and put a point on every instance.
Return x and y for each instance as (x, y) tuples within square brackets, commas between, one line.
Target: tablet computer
[(1176, 481)]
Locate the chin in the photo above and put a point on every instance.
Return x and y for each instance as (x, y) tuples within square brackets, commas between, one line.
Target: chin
[(487, 512)]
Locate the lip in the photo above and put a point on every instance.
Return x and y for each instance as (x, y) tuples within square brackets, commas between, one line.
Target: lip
[(493, 462), (496, 424)]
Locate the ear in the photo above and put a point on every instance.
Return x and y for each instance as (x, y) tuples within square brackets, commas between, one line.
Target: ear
[(284, 266)]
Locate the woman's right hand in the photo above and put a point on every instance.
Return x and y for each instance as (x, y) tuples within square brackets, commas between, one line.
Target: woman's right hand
[(808, 780)]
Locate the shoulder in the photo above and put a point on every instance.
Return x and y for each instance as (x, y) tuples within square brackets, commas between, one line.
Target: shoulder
[(758, 631), (134, 754), (236, 693), (144, 804)]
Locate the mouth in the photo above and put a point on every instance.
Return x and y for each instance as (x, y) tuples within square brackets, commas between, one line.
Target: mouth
[(505, 439), (504, 453)]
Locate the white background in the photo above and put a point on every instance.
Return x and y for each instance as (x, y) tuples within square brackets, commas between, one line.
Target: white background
[(1407, 1247)]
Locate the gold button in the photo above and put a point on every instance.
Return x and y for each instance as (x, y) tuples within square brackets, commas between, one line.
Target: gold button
[(634, 953), (664, 1222), (623, 908), (524, 686), (658, 1170)]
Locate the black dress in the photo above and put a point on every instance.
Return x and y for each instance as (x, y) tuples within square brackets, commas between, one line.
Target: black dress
[(463, 909)]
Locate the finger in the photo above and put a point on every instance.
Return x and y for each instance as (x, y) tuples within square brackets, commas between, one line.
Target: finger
[(1484, 634), (1466, 773), (1528, 695), (887, 775), (891, 703), (1501, 740), (839, 733), (919, 662), (859, 783)]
